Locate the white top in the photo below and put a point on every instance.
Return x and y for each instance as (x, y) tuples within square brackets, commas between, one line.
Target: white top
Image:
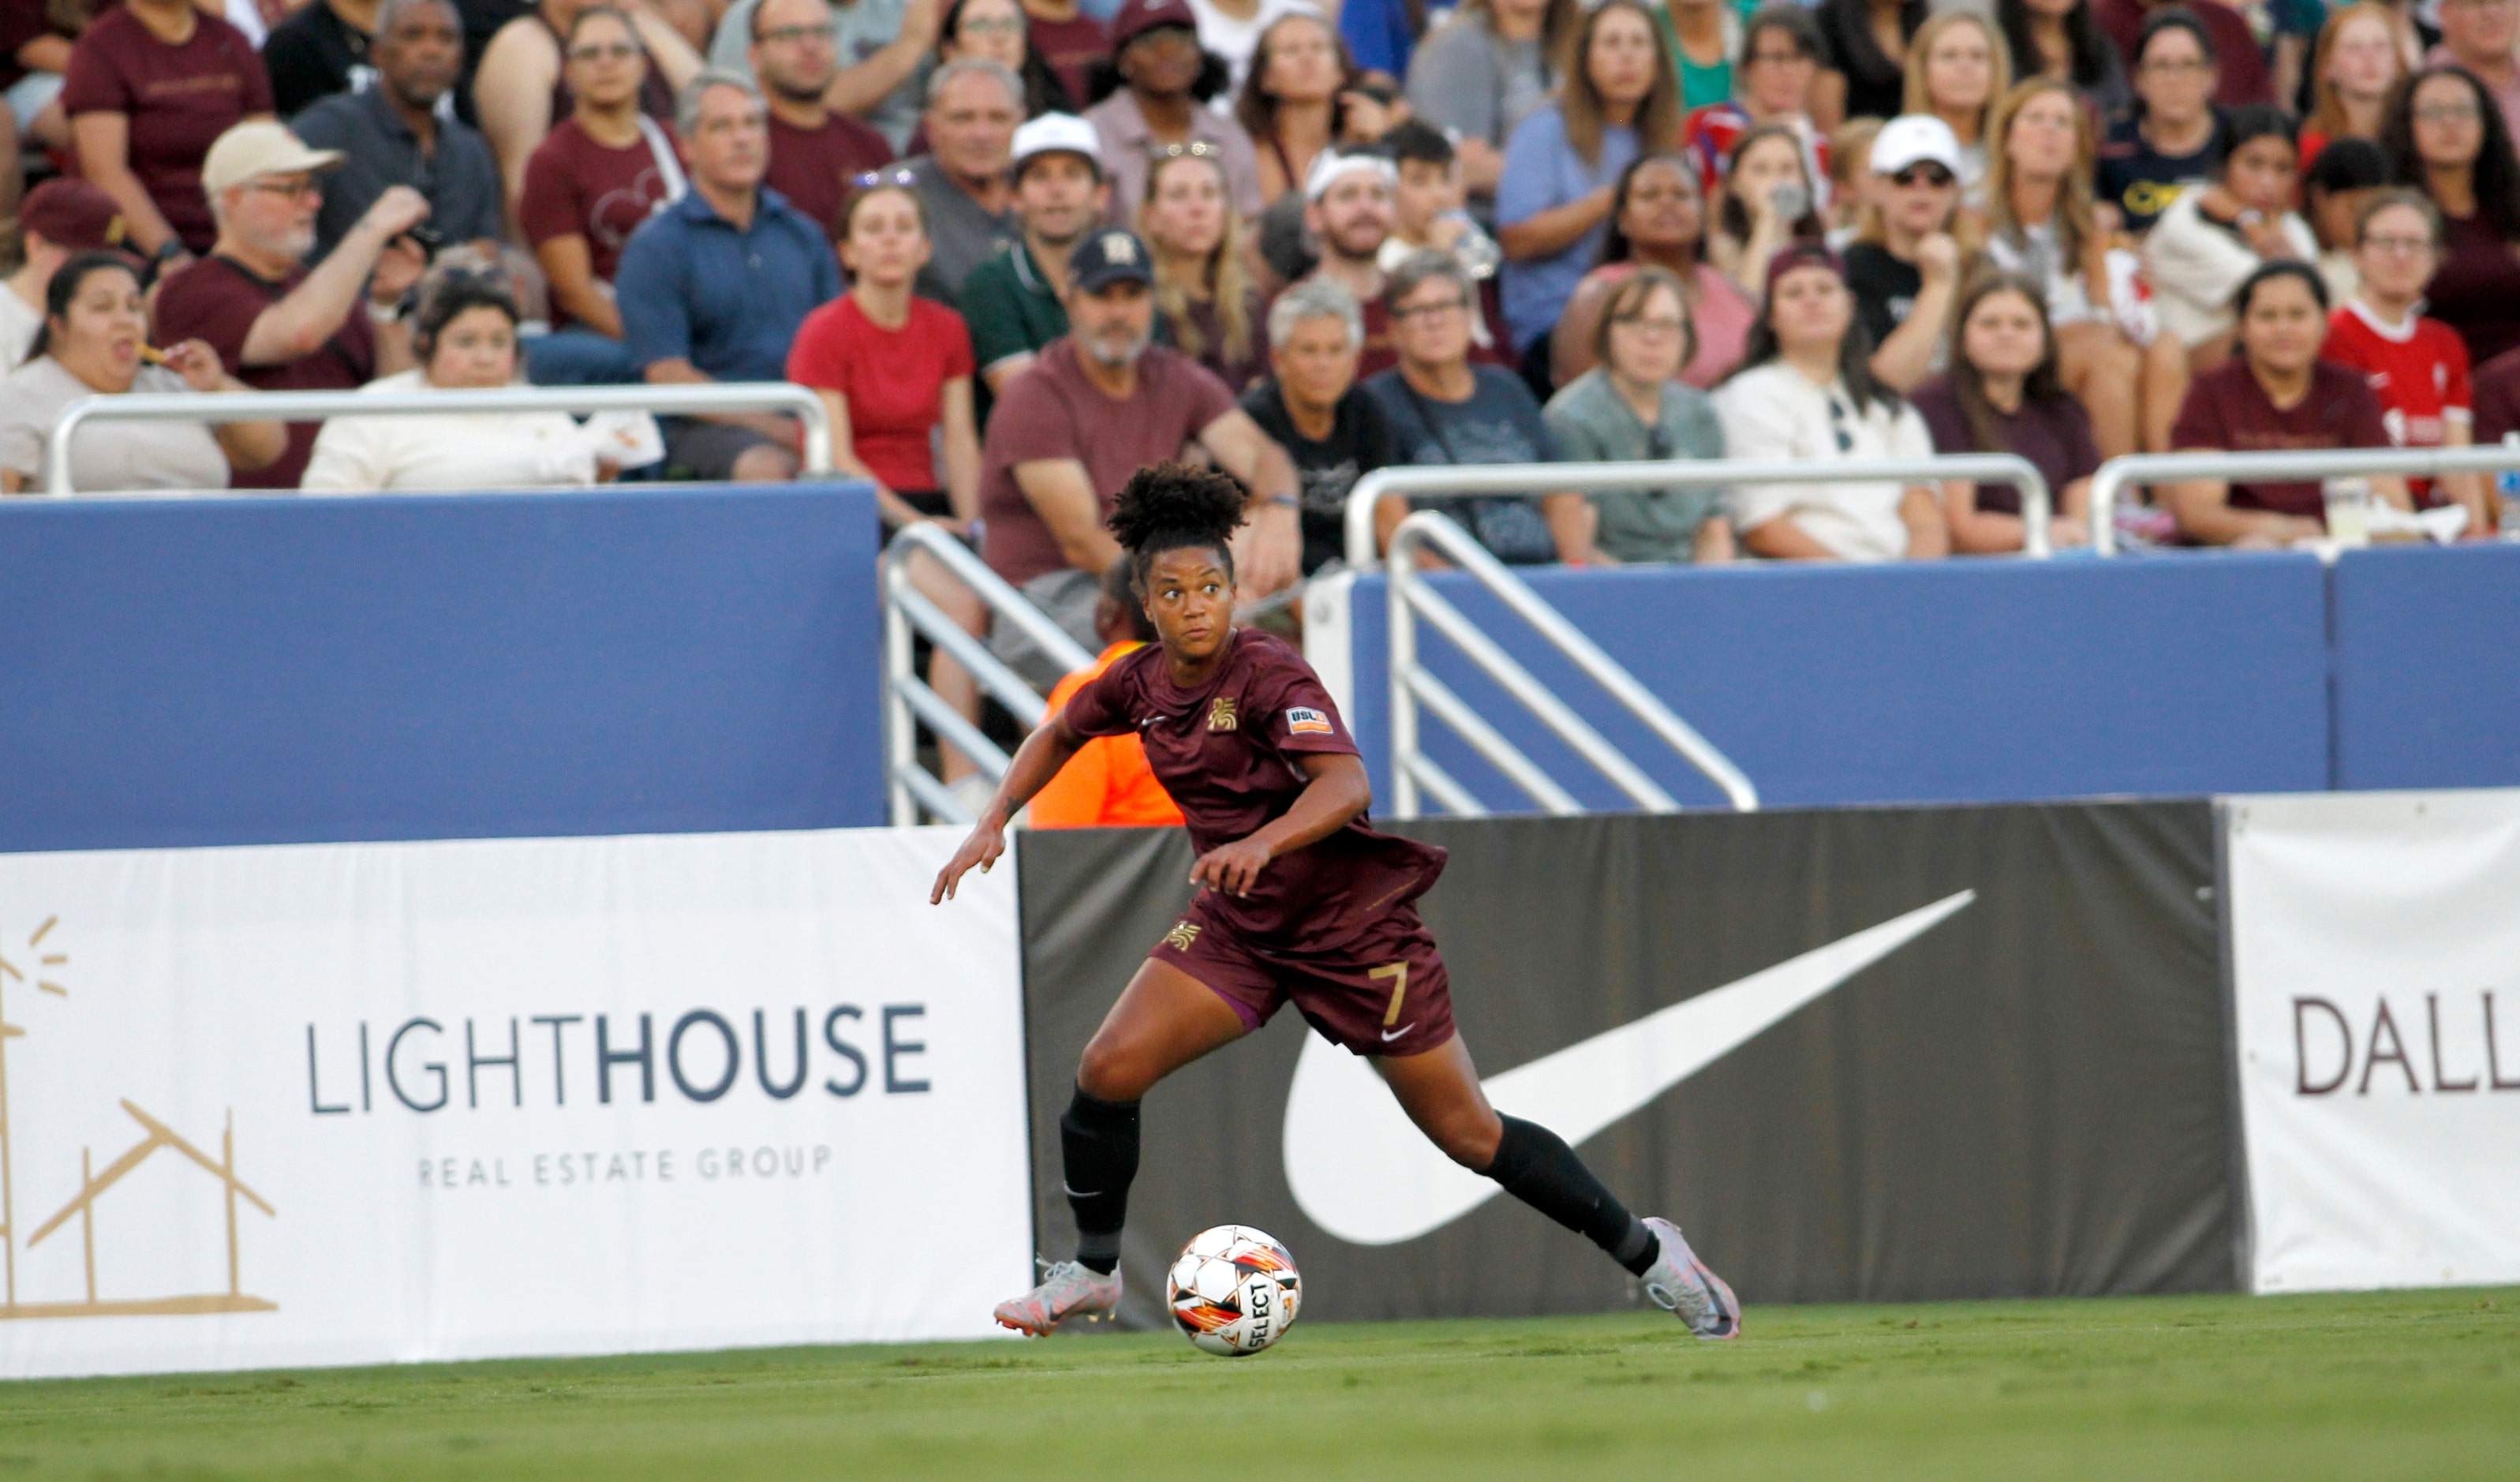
[(2197, 265), (1236, 40), (18, 326), (459, 453), (1776, 411), (108, 458)]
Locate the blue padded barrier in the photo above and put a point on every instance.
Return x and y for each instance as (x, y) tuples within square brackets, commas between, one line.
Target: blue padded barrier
[(2427, 645), (659, 658), (1935, 682)]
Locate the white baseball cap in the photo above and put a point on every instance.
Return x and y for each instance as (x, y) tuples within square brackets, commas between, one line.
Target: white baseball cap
[(1914, 139), (252, 150), (1330, 167), (1058, 134)]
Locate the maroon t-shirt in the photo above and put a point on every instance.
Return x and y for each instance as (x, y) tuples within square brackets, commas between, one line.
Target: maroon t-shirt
[(179, 99), (1050, 411), (2226, 409), (2497, 389), (1226, 753), (2054, 434), (1070, 48), (813, 167), (2240, 67), (576, 186), (23, 21), (217, 300)]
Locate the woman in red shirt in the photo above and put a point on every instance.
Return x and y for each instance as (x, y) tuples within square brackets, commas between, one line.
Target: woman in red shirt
[(894, 370)]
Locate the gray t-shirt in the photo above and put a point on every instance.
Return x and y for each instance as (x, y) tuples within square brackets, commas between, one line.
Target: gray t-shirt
[(1593, 424), (1466, 79), (19, 322), (962, 234), (131, 455)]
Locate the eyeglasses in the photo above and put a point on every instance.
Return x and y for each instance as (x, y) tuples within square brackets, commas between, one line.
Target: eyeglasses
[(791, 34), (1197, 149), (2447, 112), (1930, 174), (604, 51), (873, 178), (2399, 247), (1837, 426), (1423, 310), (1656, 327), (291, 190)]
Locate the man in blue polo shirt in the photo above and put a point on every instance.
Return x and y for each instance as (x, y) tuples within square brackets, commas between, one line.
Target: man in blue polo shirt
[(713, 287)]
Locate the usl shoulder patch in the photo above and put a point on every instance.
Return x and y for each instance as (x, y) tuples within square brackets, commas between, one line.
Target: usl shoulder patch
[(1303, 722)]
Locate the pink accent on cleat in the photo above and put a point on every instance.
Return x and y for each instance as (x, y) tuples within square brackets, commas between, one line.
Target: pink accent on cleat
[(1680, 1282), (1067, 1290)]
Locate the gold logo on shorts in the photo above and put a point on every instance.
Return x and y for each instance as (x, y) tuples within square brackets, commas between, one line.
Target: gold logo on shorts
[(1220, 716), (1181, 936)]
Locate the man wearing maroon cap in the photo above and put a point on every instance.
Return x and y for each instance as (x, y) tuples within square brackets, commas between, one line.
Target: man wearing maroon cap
[(1160, 107), (62, 219)]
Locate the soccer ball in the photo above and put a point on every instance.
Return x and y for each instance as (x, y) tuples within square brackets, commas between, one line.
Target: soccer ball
[(1233, 1291)]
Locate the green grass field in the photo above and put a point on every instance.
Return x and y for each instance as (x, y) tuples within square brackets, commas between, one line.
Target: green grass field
[(2418, 1385)]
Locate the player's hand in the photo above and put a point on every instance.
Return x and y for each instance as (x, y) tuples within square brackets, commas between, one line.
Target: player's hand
[(987, 841), (1233, 869)]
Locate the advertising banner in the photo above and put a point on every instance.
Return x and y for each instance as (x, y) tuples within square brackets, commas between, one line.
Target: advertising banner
[(1864, 1055), (2375, 961), (366, 1103)]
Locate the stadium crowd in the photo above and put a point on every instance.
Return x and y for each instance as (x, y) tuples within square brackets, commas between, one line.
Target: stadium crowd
[(1022, 247)]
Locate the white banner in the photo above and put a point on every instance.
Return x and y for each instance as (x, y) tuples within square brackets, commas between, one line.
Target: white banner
[(2375, 951), (364, 1102)]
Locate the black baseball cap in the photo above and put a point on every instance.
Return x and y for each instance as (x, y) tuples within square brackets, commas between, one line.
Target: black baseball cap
[(1107, 257)]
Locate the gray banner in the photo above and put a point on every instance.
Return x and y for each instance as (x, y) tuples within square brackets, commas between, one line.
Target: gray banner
[(2030, 1098)]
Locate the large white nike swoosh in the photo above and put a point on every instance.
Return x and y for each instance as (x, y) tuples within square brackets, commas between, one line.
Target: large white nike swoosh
[(1362, 1171)]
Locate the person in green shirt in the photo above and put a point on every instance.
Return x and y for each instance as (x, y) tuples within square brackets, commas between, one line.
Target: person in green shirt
[(1631, 407), (1704, 36), (1010, 303)]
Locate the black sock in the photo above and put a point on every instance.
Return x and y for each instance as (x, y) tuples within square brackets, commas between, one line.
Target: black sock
[(1536, 1166), (1099, 1142)]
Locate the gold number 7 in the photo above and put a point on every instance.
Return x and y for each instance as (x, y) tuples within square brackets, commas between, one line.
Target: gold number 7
[(1398, 972)]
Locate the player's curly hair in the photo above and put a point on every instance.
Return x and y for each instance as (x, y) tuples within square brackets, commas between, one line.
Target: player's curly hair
[(1171, 506)]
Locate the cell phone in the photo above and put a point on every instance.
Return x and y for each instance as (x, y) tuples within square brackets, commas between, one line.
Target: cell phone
[(1790, 201), (429, 239)]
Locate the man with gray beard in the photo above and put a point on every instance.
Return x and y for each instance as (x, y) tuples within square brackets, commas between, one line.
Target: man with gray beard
[(1093, 409)]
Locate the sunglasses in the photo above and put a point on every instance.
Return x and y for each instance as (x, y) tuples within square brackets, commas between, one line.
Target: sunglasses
[(1837, 426), (873, 178), (1931, 174), (1197, 149)]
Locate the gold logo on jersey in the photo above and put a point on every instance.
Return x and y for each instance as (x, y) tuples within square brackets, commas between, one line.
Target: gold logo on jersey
[(1220, 716), (1181, 936)]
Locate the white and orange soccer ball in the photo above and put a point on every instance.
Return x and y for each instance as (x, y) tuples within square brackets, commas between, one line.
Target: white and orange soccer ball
[(1233, 1291)]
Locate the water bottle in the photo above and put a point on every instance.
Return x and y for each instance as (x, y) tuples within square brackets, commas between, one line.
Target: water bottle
[(2506, 489), (1475, 250)]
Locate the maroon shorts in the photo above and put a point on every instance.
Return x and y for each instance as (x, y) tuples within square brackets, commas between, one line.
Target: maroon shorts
[(1384, 993)]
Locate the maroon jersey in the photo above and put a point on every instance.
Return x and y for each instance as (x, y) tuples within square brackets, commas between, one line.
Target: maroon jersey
[(1226, 753)]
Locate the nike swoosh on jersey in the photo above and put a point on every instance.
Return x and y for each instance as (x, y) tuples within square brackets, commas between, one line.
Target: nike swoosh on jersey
[(1360, 1170), (1388, 1035)]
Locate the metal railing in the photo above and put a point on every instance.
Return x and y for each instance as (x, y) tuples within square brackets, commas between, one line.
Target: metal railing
[(908, 698), (1412, 686), (2119, 474), (1448, 481), (314, 406)]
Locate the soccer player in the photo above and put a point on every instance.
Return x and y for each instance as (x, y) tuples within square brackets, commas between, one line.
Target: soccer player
[(1301, 901)]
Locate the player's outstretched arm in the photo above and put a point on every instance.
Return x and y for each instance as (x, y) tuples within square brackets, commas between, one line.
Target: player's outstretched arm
[(1035, 763), (1339, 792)]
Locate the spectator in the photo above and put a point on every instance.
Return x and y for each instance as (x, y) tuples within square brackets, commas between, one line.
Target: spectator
[(1350, 212), (1564, 157), (1107, 784), (93, 342), (2173, 135), (603, 171), (1313, 408), (35, 44), (1482, 71), (1205, 304), (2211, 238), (2060, 40), (1905, 265), (464, 338), (1153, 95), (2480, 35), (998, 31), (2002, 395), (2497, 387), (2417, 367), (1782, 54), (1429, 204), (1958, 73), (885, 47), (282, 325), (1768, 204), (1659, 219), (392, 134), (2240, 67), (1705, 37), (2040, 222), (1069, 42), (1232, 29), (1014, 302), (2275, 396), (714, 286), (1868, 44), (1292, 105), (151, 86), (1631, 406), (895, 372), (2445, 137), (815, 152), (2356, 64), (1807, 392), (974, 107), (61, 219), (2334, 190), (524, 85), (1095, 408), (1850, 178), (1444, 409), (320, 50)]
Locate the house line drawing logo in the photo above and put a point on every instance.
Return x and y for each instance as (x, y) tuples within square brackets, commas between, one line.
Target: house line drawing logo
[(93, 1183)]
